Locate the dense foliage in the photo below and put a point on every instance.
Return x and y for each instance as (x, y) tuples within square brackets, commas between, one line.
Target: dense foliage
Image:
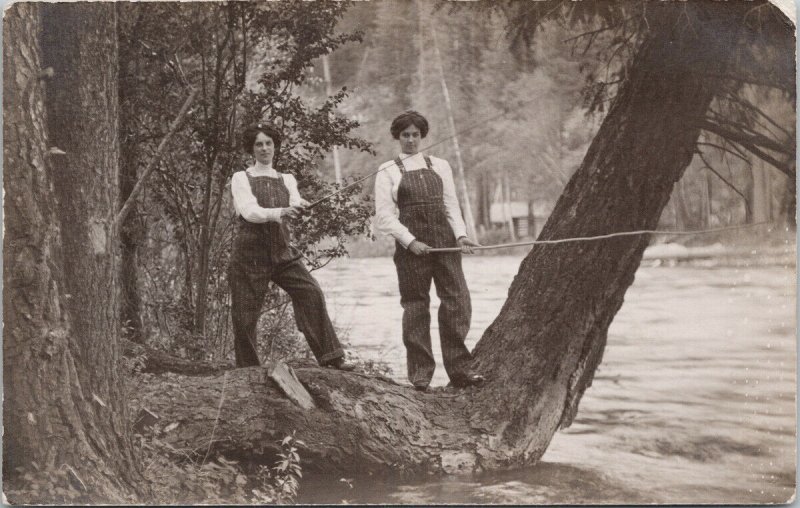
[(250, 62)]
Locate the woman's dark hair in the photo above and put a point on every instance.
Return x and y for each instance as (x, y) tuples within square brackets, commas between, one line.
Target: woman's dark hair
[(249, 137), (404, 120)]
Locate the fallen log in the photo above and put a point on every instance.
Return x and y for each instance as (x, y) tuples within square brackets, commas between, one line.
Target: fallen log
[(154, 361), (360, 425)]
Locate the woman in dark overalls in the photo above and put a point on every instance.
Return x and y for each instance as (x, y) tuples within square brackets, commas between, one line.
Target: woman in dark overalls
[(264, 199), (421, 188)]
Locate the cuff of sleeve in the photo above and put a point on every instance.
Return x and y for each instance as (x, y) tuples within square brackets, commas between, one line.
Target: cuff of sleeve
[(274, 215), (406, 238)]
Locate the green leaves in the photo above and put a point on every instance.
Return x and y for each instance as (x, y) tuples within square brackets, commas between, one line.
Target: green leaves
[(287, 470)]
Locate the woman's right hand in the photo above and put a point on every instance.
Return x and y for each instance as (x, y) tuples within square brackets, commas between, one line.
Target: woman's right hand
[(292, 212), (418, 248)]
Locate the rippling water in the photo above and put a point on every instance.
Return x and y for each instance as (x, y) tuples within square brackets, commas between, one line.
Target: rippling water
[(694, 401)]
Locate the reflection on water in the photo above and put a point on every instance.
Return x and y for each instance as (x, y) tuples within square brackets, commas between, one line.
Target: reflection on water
[(545, 483), (694, 401)]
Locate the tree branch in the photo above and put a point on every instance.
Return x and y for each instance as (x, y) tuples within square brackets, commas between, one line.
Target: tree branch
[(725, 180), (750, 144), (126, 208), (756, 137), (724, 150), (755, 109)]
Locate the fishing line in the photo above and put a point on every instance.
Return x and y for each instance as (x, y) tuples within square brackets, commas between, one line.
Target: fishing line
[(600, 237)]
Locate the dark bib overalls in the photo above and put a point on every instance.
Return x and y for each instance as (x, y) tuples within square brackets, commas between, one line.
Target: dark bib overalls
[(422, 210), (262, 253)]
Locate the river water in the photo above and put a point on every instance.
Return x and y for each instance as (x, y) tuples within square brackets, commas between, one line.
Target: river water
[(694, 401)]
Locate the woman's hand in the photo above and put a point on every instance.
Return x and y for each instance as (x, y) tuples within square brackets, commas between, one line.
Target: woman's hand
[(291, 212), (304, 203), (418, 248), (467, 245)]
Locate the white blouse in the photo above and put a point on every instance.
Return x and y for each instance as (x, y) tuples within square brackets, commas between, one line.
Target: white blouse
[(246, 203), (386, 184)]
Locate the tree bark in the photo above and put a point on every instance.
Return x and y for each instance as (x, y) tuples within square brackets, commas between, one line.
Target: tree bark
[(541, 352), (63, 403)]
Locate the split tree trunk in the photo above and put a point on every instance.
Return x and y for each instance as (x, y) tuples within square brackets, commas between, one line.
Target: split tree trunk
[(63, 407), (541, 353)]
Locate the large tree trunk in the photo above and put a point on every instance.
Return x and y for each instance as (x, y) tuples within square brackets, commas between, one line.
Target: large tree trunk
[(565, 296), (541, 352), (63, 407)]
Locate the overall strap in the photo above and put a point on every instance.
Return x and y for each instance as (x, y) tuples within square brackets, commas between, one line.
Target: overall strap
[(400, 165), (282, 180), (428, 162)]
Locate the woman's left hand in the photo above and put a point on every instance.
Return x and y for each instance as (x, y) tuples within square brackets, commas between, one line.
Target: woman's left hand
[(304, 203), (467, 245)]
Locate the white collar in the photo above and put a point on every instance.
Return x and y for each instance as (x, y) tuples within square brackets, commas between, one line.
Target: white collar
[(418, 159), (261, 170)]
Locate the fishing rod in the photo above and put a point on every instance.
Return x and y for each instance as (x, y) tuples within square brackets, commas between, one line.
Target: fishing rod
[(448, 138), (599, 237)]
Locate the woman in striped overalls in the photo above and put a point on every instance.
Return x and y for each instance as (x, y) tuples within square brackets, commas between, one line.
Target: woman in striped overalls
[(421, 188), (264, 199)]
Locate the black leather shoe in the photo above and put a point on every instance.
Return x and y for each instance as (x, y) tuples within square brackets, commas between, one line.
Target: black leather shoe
[(467, 380), (421, 388), (340, 364)]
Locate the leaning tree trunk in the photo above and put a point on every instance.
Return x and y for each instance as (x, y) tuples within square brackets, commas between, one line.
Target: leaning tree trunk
[(541, 352), (63, 407)]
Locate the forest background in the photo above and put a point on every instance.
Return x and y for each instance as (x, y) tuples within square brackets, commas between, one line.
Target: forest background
[(523, 121)]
